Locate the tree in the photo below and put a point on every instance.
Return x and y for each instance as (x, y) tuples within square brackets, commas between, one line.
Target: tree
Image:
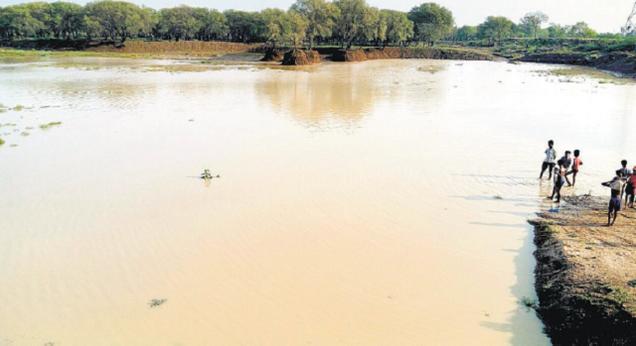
[(178, 23), (117, 19), (213, 24), (350, 22), (399, 28), (319, 16), (432, 22), (68, 19), (297, 28), (16, 22), (245, 26), (531, 23), (557, 31), (374, 26), (582, 29), (466, 33), (495, 29)]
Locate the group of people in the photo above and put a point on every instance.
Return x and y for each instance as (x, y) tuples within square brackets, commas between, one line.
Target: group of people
[(623, 184), (562, 169)]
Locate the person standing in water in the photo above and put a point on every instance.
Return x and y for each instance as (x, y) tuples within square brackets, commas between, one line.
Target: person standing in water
[(565, 162), (617, 185), (576, 166), (549, 161)]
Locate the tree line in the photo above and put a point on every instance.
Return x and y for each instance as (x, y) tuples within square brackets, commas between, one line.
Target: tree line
[(306, 22)]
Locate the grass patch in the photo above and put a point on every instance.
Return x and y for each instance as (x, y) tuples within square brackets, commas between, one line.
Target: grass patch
[(51, 124)]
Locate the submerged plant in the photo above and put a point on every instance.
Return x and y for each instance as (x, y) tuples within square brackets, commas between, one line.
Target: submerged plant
[(51, 124), (153, 303), (529, 303)]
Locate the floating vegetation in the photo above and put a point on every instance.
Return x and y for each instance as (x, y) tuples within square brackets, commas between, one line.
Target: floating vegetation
[(18, 108), (3, 108), (29, 128), (51, 124), (1, 141), (206, 175), (24, 134), (498, 197), (529, 303), (153, 303)]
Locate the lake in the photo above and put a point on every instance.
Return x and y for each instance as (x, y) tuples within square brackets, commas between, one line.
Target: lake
[(375, 203)]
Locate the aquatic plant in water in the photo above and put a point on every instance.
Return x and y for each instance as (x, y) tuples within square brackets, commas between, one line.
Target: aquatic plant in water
[(153, 303), (51, 124)]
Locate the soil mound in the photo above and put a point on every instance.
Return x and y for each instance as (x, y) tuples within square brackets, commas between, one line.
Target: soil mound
[(273, 54), (298, 57)]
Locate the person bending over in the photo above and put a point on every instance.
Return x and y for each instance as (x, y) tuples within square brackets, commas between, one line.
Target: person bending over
[(616, 185), (559, 181), (566, 162)]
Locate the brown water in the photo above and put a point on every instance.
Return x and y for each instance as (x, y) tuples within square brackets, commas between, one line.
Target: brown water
[(355, 205)]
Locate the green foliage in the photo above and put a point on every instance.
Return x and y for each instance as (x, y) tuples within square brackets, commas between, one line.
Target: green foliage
[(432, 22), (531, 23), (245, 26), (51, 124), (351, 19), (466, 33), (116, 20), (179, 23), (2, 141), (495, 29), (399, 28), (319, 15)]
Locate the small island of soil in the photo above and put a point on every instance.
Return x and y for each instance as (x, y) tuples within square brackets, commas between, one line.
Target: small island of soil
[(586, 273), (299, 57)]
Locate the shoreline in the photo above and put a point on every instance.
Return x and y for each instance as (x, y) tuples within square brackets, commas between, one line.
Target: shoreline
[(585, 276), (257, 54)]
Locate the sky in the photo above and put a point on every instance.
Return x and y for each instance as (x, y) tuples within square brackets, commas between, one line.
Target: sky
[(602, 15)]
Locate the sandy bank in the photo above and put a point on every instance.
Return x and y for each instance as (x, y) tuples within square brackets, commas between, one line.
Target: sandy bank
[(619, 62), (443, 53), (586, 273)]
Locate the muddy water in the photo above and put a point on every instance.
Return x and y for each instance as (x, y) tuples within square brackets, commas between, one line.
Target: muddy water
[(356, 203)]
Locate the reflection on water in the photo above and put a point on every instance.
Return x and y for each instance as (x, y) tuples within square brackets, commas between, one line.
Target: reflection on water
[(374, 203)]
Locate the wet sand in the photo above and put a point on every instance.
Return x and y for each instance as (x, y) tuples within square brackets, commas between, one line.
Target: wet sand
[(355, 205)]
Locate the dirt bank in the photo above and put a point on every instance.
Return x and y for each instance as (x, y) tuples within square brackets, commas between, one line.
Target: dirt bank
[(169, 49), (442, 53), (586, 273), (299, 57), (619, 62)]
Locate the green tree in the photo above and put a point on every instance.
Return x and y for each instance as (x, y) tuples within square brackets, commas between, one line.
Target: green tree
[(581, 29), (350, 21), (399, 28), (495, 29), (245, 26), (67, 20), (40, 12), (16, 22), (557, 31), (466, 33), (213, 24), (319, 16), (374, 26), (432, 22), (178, 23), (117, 19), (531, 23)]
